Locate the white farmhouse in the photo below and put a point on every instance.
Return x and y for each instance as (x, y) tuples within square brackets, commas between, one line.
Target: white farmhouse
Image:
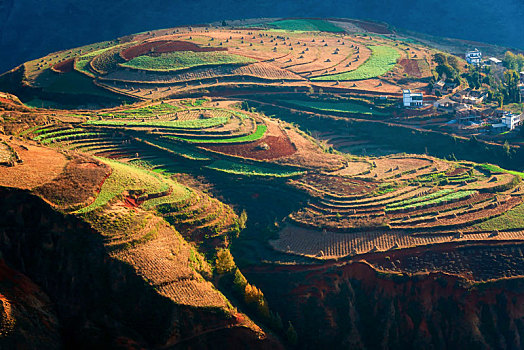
[(474, 57), (412, 99), (511, 120)]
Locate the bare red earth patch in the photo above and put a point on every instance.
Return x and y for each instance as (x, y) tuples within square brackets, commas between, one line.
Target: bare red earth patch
[(164, 46), (411, 67), (456, 172), (373, 27), (65, 66), (278, 147)]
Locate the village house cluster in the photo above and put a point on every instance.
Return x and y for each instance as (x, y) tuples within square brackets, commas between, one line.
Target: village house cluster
[(468, 107)]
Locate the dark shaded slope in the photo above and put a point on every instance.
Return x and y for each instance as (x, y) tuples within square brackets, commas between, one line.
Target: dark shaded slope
[(34, 28)]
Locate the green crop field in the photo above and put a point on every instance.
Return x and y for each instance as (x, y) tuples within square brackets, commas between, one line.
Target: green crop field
[(149, 111), (184, 152), (420, 199), (175, 124), (45, 135), (512, 219), (258, 134), (70, 136), (249, 169), (193, 103), (343, 107), (128, 177), (306, 25), (382, 60), (184, 59), (496, 169), (440, 200)]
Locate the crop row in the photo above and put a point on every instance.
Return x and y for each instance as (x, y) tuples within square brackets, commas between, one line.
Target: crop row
[(178, 60), (251, 169), (424, 198), (175, 124), (258, 134), (454, 196), (382, 60)]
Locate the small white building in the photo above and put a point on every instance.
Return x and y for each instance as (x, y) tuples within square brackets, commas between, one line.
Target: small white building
[(474, 57), (494, 61), (412, 99), (510, 120)]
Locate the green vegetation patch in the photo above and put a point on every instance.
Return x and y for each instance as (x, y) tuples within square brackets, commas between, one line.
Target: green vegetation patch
[(80, 135), (306, 25), (496, 169), (184, 59), (250, 169), (193, 103), (178, 150), (174, 124), (420, 199), (149, 111), (440, 200), (258, 134), (341, 107), (382, 60), (512, 219), (43, 134), (128, 177)]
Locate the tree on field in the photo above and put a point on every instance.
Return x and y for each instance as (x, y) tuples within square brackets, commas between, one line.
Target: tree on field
[(447, 67), (291, 335), (507, 147), (276, 321), (239, 282), (255, 298), (242, 220), (510, 61), (453, 62), (520, 62), (511, 86), (224, 261), (439, 59), (474, 78)]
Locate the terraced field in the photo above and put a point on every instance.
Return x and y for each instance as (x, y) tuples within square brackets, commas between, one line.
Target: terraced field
[(298, 53), (346, 216), (272, 135)]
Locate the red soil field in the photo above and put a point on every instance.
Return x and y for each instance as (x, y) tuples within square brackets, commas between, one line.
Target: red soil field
[(456, 171), (65, 66), (411, 67), (5, 100), (164, 46), (278, 147), (373, 27)]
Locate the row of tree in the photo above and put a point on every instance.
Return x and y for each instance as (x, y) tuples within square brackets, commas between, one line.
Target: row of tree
[(252, 296)]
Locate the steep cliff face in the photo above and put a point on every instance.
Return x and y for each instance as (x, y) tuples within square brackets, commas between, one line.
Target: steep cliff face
[(101, 301), (27, 317), (353, 306)]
